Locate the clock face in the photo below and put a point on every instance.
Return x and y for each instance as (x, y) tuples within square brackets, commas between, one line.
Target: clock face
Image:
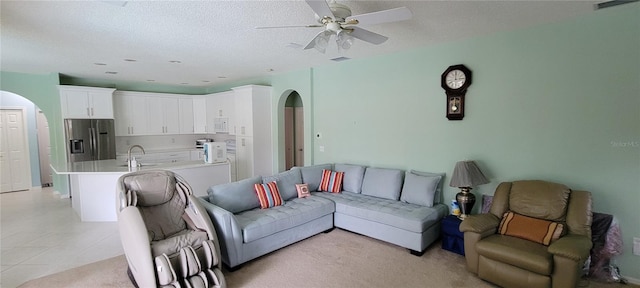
[(455, 79)]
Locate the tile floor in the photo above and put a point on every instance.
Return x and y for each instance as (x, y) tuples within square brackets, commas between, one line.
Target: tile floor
[(40, 234)]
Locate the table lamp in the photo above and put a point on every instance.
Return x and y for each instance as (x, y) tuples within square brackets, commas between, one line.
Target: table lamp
[(465, 175)]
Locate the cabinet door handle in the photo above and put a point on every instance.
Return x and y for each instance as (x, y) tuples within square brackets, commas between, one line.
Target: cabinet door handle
[(88, 114), (91, 111)]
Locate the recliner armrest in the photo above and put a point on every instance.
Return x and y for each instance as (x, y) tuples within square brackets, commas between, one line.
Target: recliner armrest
[(575, 247), (480, 223)]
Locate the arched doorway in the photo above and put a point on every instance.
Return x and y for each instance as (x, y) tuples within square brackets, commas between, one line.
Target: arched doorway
[(294, 131), (21, 124)]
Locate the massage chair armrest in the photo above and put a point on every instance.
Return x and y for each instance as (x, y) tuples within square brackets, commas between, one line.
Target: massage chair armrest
[(135, 243), (484, 224), (572, 246), (228, 230)]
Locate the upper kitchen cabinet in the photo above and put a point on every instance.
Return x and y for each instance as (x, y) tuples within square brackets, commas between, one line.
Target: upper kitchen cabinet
[(199, 115), (221, 113), (187, 125), (79, 102), (130, 113), (163, 116)]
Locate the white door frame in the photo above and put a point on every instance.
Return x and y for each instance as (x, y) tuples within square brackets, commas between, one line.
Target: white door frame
[(27, 158)]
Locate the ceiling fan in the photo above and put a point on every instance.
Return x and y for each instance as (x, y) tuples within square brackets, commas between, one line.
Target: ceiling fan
[(336, 19)]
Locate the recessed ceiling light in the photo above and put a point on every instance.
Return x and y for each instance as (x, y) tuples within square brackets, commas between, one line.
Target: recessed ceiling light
[(111, 72), (175, 62), (222, 77), (340, 59), (100, 64), (151, 80), (270, 70), (184, 83), (206, 81), (130, 60)]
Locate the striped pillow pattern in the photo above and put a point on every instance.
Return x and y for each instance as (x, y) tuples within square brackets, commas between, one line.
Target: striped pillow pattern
[(268, 194), (331, 181), (532, 229)]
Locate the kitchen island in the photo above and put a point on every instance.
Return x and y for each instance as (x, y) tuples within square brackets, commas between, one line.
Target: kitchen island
[(92, 184)]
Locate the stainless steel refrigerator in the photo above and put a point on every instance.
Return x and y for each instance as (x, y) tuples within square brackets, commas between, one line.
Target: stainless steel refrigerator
[(90, 139)]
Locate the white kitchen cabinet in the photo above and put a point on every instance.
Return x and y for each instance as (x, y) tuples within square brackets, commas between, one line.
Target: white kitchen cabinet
[(221, 112), (130, 114), (79, 102), (163, 116), (185, 105), (254, 155), (199, 115)]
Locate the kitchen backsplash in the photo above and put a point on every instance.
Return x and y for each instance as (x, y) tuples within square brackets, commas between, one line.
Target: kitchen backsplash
[(165, 142)]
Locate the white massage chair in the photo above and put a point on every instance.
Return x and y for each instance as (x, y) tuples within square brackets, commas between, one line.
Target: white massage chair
[(167, 236)]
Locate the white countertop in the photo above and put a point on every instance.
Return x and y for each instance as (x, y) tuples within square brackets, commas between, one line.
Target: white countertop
[(118, 167)]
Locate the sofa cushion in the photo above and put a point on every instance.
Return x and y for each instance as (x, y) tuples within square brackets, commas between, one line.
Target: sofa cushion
[(331, 181), (312, 175), (268, 195), (287, 181), (529, 228), (411, 217), (518, 252), (419, 189), (353, 175), (438, 196), (383, 183), (259, 223), (235, 196)]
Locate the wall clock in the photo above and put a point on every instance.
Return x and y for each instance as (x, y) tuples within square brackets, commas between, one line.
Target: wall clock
[(455, 81)]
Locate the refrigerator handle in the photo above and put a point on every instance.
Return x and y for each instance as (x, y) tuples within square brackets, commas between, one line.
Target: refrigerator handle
[(94, 152)]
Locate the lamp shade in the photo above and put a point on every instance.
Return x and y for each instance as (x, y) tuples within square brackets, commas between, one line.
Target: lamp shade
[(467, 174)]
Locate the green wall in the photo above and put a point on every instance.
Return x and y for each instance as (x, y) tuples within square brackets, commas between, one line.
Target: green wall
[(557, 102)]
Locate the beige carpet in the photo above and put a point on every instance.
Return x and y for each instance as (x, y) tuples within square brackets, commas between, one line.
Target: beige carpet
[(336, 259)]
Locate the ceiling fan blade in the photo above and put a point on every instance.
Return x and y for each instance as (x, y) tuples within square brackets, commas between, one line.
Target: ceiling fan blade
[(291, 26), (366, 35), (384, 16), (321, 8)]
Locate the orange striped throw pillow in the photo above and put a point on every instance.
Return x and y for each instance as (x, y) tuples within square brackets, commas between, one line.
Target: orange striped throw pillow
[(268, 194), (533, 229), (331, 181)]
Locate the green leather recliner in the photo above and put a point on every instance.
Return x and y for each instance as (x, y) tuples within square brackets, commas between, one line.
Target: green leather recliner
[(515, 262)]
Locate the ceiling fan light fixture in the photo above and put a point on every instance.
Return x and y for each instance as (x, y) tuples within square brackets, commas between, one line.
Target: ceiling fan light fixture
[(322, 41), (344, 40)]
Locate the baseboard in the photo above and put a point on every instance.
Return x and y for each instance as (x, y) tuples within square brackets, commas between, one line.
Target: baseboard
[(632, 280), (62, 196)]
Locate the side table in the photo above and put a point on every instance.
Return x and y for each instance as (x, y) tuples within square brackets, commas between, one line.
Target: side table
[(452, 238)]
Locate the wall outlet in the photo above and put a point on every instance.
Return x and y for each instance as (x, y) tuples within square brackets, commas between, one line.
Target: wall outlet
[(636, 246)]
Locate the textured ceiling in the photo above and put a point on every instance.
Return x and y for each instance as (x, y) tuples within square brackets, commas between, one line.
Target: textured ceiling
[(216, 41)]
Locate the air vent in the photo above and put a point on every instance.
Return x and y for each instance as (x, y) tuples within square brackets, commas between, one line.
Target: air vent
[(612, 3), (340, 59)]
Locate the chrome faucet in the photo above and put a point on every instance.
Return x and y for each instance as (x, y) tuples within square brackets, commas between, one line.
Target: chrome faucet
[(129, 152)]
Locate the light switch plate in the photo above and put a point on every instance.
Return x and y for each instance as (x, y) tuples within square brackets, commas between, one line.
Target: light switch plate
[(321, 148), (636, 246)]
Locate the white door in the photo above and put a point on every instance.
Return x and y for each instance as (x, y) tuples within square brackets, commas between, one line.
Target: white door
[(298, 124), (289, 143), (44, 147), (14, 152)]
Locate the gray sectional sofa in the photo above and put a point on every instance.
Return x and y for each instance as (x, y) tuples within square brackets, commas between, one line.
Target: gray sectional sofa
[(392, 205)]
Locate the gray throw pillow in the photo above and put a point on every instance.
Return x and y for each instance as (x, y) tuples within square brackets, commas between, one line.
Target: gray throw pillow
[(286, 181), (438, 197), (312, 175), (383, 183), (236, 196), (419, 190), (353, 175)]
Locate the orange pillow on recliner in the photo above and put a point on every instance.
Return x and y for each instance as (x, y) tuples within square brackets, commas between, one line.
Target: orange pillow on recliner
[(532, 229)]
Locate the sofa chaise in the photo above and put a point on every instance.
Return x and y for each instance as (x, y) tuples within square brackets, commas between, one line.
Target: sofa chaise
[(402, 208)]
